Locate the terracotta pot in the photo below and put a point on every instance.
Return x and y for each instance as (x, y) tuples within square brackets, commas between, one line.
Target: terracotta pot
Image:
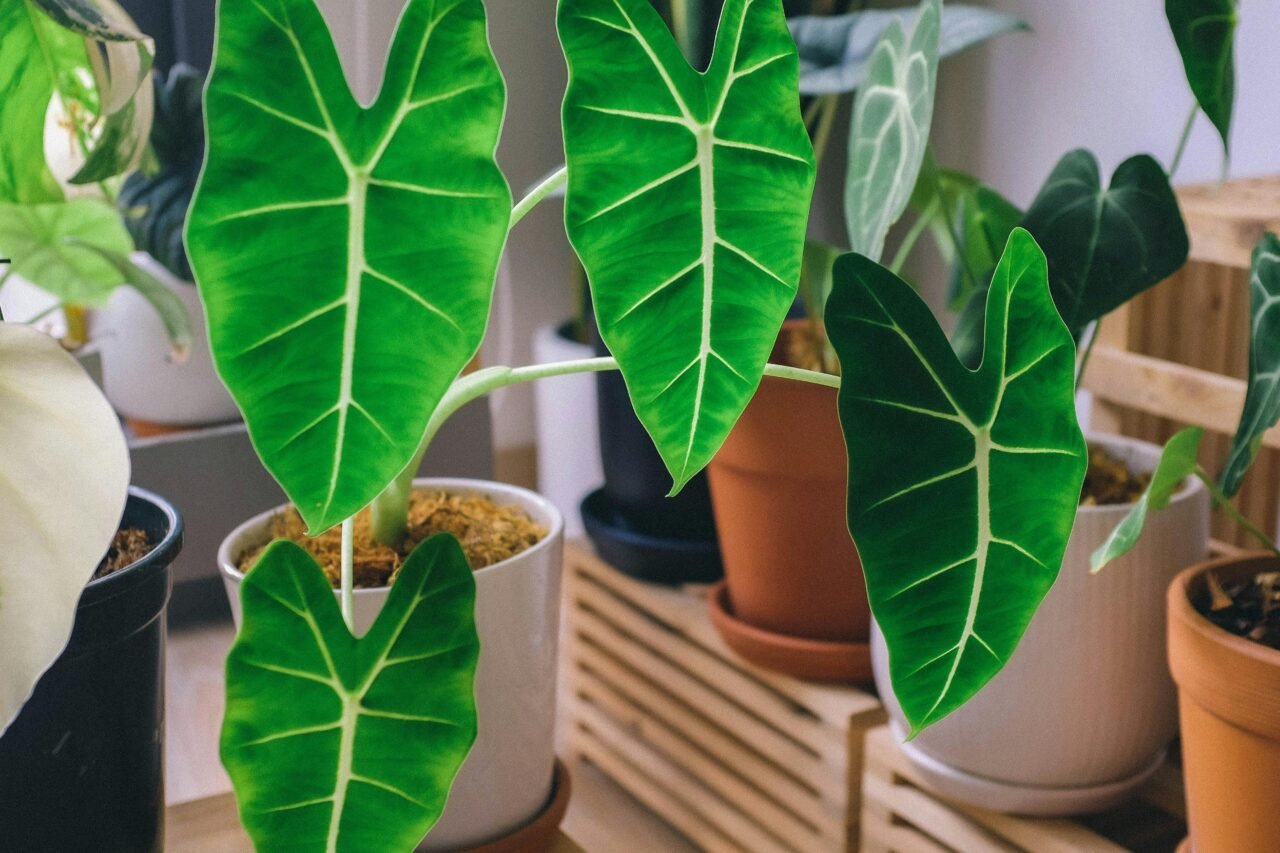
[(778, 489), (508, 784), (1229, 701), (1082, 714)]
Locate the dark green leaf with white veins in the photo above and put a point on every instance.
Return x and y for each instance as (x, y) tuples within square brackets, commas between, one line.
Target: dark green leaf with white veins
[(687, 202), (1262, 400), (1205, 32), (349, 745), (1177, 462), (962, 484), (345, 256), (890, 132), (1105, 246)]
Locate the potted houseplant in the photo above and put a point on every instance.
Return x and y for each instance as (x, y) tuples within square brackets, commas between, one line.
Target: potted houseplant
[(347, 284), (90, 71), (152, 390), (793, 598)]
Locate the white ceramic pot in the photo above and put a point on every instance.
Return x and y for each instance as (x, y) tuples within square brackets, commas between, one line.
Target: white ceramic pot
[(139, 378), (1084, 711), (506, 780), (567, 425)]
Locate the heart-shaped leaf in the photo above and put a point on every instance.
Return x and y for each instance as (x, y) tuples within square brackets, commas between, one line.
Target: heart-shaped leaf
[(1262, 400), (1105, 246), (962, 484), (32, 51), (53, 247), (340, 744), (835, 50), (1177, 463), (346, 256), (64, 478), (687, 203), (1205, 32), (891, 120)]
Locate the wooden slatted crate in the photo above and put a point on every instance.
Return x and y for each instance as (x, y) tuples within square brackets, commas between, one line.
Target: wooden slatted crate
[(899, 814), (735, 758), (1178, 355)]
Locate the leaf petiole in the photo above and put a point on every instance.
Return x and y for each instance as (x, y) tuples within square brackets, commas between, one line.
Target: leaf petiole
[(553, 182), (348, 573), (1182, 140), (1222, 502)]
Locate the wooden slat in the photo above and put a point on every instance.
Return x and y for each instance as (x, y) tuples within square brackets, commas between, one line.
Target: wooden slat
[(1226, 221), (684, 611), (733, 823), (892, 838), (709, 773), (765, 738), (934, 818)]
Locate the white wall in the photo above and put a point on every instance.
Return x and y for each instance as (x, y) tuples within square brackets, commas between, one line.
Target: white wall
[(534, 285)]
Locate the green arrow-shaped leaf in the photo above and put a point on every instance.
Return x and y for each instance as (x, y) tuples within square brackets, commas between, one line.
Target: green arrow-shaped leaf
[(339, 744), (962, 484), (1262, 400), (1177, 463), (1205, 32), (53, 247), (891, 121), (687, 202), (63, 481), (346, 256), (1105, 246)]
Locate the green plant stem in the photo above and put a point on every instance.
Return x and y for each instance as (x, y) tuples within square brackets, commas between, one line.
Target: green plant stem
[(909, 242), (1182, 140), (1088, 352), (390, 509), (57, 306), (947, 220), (826, 124), (348, 572), (553, 182), (1222, 502)]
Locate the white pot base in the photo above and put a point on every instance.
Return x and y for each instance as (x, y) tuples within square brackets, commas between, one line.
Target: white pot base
[(1009, 798)]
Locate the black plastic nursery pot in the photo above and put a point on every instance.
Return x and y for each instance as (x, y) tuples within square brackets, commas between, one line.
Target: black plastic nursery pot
[(631, 521), (82, 767)]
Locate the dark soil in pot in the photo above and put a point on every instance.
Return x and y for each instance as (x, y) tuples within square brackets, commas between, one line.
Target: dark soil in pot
[(1109, 481), (1248, 607), (82, 767), (488, 532)]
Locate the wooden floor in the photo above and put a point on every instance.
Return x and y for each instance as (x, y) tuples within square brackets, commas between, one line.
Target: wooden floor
[(602, 817)]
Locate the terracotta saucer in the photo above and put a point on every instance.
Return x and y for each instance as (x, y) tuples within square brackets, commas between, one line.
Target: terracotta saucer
[(538, 834), (798, 657)]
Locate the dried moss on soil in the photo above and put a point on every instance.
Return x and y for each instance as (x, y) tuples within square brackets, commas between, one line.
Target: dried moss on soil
[(489, 533), (1248, 608), (129, 546), (1109, 481)]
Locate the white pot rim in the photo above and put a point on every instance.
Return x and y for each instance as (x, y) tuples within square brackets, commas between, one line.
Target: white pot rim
[(1190, 488), (532, 502)]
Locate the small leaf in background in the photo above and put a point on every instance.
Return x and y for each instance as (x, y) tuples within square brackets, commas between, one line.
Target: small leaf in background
[(687, 204), (342, 744), (1205, 33), (1262, 400), (1105, 246), (1177, 463), (815, 288), (172, 311), (835, 51), (29, 86), (64, 477), (53, 247), (890, 130), (346, 256), (963, 485)]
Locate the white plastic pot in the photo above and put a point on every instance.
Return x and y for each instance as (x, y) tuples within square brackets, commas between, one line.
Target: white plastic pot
[(568, 435), (1084, 711), (506, 780), (139, 377)]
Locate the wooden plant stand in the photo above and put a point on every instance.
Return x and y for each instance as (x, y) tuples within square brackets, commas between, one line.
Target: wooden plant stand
[(735, 758), (899, 814)]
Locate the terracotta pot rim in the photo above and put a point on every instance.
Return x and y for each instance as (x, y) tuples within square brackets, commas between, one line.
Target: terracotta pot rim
[(1180, 607)]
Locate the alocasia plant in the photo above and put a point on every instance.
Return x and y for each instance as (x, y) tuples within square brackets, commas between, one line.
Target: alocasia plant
[(1205, 34), (688, 213), (996, 491)]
